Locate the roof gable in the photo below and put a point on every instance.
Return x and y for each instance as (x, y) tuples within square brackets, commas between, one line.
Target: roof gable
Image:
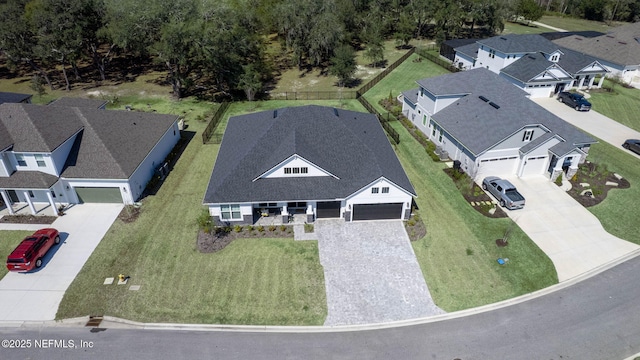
[(518, 44), (295, 161)]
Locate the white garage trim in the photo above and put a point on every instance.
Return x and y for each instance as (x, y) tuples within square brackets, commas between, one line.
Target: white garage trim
[(534, 165), (499, 166)]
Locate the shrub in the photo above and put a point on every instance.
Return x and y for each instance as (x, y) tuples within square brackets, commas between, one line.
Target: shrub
[(308, 228), (261, 228), (204, 221), (431, 150), (411, 222), (237, 228), (469, 251), (272, 228), (559, 180), (283, 227), (250, 227)]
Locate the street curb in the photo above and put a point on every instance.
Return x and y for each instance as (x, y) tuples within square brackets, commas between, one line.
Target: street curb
[(114, 322)]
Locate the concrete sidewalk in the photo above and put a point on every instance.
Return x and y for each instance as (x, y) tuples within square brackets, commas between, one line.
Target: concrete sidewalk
[(35, 296), (567, 232)]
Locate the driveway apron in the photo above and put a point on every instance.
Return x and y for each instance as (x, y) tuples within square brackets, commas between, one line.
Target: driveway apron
[(35, 296), (570, 235), (371, 273)]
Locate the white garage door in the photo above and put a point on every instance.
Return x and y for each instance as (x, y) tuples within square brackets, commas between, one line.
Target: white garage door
[(497, 167), (535, 165)]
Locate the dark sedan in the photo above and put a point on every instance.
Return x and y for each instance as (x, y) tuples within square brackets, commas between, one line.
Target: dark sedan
[(574, 100), (633, 145)]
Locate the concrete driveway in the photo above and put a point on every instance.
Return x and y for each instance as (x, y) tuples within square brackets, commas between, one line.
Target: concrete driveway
[(36, 296), (371, 273), (592, 122), (567, 232)]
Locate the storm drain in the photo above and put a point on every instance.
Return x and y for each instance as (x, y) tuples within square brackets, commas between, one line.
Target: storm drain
[(94, 321)]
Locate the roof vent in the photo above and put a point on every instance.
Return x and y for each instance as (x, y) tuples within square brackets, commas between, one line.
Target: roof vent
[(335, 111), (494, 105), (275, 114), (503, 38), (483, 98), (622, 42), (531, 57), (610, 36)]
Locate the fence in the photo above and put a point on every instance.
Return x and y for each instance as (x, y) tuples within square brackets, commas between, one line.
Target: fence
[(436, 59), (366, 87), (314, 95), (393, 134), (213, 123)]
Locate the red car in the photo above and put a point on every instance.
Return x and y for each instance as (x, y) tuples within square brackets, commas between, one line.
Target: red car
[(28, 255)]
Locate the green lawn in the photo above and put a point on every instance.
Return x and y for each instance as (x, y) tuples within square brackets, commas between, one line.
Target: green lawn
[(454, 229), (403, 78), (8, 241), (574, 24), (252, 281), (622, 104), (616, 212), (517, 28)]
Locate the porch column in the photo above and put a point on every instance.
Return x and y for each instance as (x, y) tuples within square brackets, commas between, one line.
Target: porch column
[(601, 81), (33, 208), (310, 213), (52, 203), (580, 83), (285, 215), (591, 82), (7, 201)]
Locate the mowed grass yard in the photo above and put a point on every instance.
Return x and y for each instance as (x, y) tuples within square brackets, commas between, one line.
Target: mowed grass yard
[(252, 281), (622, 104), (9, 239), (458, 256)]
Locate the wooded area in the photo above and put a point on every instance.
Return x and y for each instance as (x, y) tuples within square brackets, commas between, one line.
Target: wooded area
[(226, 48)]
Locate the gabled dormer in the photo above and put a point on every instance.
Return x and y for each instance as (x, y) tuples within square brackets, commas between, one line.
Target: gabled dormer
[(294, 166), (555, 56)]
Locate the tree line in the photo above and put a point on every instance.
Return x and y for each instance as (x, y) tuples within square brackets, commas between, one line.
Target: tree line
[(226, 46)]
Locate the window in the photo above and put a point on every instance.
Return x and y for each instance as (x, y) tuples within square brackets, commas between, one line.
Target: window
[(20, 160), (230, 212), (528, 135), (53, 194), (440, 136), (554, 58), (31, 194), (304, 170), (287, 170), (424, 120), (492, 53), (385, 190), (40, 160), (374, 190), (433, 132), (296, 170)]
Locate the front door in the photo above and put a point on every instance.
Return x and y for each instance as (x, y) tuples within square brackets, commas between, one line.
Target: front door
[(559, 88), (552, 164), (13, 196)]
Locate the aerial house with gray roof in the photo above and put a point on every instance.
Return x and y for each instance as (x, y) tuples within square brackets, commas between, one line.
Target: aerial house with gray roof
[(316, 161), (60, 154), (480, 119)]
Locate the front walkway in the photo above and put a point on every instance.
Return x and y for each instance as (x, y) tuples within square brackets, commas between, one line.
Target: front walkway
[(371, 273), (35, 296), (570, 235)]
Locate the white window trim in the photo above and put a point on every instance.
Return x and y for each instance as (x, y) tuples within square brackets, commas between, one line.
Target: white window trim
[(230, 209)]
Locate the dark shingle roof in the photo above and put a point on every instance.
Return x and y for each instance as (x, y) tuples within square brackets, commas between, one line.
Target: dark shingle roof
[(28, 180), (79, 102), (411, 95), (619, 46), (517, 43), (31, 127), (114, 143), (480, 126), (471, 50), (8, 97), (528, 67), (574, 61), (349, 145)]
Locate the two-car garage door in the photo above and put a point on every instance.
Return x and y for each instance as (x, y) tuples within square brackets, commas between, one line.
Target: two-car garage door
[(377, 211), (99, 195)]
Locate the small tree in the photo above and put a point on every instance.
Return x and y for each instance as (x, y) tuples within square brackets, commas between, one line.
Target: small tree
[(37, 85), (404, 31), (529, 10), (250, 82), (375, 52), (343, 64)]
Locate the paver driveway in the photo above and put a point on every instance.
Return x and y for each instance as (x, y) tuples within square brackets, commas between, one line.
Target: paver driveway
[(371, 273), (567, 232), (35, 296)]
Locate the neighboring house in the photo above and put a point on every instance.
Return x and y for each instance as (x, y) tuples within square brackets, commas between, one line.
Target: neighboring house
[(7, 97), (318, 161), (478, 118), (532, 63), (67, 155), (618, 50)]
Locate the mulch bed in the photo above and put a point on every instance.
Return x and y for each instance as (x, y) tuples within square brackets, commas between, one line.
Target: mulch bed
[(27, 219), (218, 238), (129, 214), (597, 180), (415, 228), (477, 195)]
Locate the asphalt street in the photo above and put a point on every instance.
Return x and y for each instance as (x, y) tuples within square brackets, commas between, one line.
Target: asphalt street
[(597, 318)]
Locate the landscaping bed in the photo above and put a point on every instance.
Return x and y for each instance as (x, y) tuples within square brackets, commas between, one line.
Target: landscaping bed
[(219, 237), (591, 184), (415, 227), (474, 195), (28, 219)]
